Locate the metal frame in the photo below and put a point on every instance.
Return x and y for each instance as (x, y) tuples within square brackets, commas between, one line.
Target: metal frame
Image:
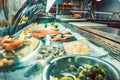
[(31, 8), (93, 13)]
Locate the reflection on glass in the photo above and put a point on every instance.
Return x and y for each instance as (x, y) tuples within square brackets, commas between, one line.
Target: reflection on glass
[(49, 5)]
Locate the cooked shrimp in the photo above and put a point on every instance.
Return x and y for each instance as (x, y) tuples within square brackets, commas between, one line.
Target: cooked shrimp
[(42, 33), (67, 37), (4, 39), (9, 40), (57, 38), (13, 45)]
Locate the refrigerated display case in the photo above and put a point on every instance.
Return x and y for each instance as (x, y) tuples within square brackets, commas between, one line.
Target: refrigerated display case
[(56, 39), (103, 46)]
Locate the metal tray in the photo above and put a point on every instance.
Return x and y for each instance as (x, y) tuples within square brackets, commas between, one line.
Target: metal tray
[(54, 67)]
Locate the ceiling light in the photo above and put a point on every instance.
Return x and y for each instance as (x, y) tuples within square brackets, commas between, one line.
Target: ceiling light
[(98, 0)]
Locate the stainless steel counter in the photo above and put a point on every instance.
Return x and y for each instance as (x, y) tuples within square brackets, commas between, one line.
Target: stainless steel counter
[(101, 35), (100, 29), (87, 24)]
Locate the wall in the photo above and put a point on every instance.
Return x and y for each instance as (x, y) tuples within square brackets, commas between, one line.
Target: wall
[(108, 5), (104, 5)]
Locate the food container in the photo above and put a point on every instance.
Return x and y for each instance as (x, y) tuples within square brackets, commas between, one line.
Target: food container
[(57, 65)]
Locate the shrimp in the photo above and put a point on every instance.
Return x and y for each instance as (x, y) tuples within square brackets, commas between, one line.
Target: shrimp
[(13, 45), (58, 38), (4, 39), (67, 37), (9, 40)]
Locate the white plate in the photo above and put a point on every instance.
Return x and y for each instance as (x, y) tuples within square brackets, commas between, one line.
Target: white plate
[(32, 54)]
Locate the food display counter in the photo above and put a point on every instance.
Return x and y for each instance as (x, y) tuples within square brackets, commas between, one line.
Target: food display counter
[(45, 42), (45, 48)]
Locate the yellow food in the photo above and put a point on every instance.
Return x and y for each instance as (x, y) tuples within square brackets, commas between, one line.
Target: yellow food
[(77, 79), (66, 78), (55, 78), (1, 64), (30, 28), (24, 19)]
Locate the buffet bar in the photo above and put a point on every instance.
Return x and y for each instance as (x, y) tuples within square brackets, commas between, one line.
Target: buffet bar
[(40, 44), (59, 41)]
